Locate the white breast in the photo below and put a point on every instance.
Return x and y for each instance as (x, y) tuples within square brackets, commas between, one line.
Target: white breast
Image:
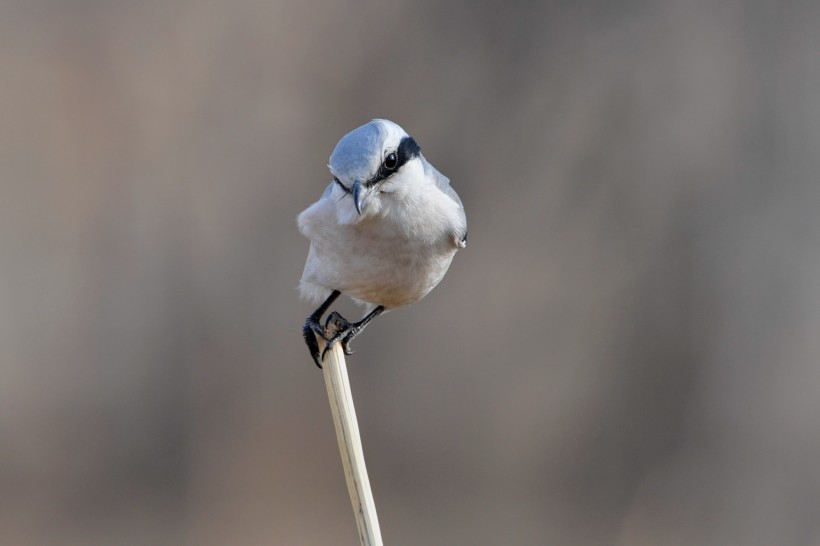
[(391, 259)]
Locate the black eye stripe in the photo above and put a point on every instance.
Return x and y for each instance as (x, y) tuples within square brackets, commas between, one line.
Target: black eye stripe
[(407, 150)]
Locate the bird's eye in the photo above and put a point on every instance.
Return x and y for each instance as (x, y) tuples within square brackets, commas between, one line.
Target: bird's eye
[(391, 161)]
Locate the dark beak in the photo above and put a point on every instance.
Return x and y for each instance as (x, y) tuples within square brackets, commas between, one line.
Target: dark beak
[(360, 195)]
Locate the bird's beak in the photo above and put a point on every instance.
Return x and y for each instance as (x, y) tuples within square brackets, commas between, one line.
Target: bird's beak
[(361, 195)]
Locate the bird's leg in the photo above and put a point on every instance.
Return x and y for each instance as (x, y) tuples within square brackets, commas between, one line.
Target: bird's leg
[(347, 331), (313, 327)]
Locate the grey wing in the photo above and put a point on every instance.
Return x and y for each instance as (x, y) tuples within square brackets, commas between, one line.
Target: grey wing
[(328, 191), (443, 184)]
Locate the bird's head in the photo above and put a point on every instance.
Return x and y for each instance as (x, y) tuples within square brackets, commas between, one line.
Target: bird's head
[(377, 162)]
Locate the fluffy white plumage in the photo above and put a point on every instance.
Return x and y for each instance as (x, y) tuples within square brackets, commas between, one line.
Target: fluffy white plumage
[(397, 244)]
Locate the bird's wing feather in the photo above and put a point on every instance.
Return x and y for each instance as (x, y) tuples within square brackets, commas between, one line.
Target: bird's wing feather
[(328, 191), (443, 184)]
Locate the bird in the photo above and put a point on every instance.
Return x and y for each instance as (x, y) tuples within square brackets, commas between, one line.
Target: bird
[(384, 232)]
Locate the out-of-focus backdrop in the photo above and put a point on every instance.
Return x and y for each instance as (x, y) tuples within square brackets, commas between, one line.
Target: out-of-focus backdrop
[(627, 352)]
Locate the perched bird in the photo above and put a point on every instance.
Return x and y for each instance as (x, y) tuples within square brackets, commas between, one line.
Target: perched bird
[(384, 231)]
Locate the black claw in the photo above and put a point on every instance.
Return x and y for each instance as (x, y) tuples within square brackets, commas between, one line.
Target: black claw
[(313, 328), (309, 333), (327, 348)]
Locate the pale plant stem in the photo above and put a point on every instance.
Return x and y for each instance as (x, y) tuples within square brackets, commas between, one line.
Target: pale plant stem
[(350, 446)]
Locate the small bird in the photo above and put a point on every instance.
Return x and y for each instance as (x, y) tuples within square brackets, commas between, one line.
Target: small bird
[(384, 231)]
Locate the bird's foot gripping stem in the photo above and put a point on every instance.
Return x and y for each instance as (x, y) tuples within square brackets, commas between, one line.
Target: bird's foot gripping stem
[(336, 329), (345, 331)]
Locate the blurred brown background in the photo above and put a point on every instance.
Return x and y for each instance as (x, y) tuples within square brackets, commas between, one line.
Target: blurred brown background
[(626, 353)]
